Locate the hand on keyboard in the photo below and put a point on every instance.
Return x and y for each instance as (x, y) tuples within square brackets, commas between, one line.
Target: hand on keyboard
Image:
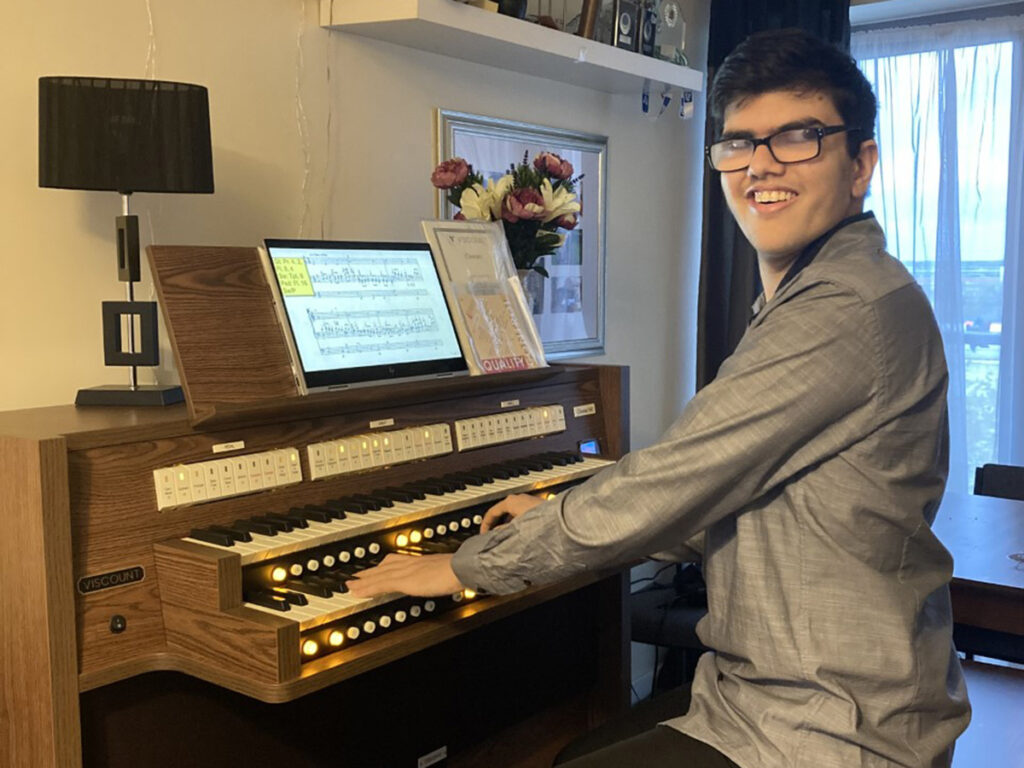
[(508, 509), (424, 576)]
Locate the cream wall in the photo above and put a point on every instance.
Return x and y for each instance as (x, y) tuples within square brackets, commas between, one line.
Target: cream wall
[(276, 81)]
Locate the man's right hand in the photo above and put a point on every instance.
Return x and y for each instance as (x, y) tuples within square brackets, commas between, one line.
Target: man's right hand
[(508, 509)]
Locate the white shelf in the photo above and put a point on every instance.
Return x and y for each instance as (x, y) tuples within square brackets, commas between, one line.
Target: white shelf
[(466, 32)]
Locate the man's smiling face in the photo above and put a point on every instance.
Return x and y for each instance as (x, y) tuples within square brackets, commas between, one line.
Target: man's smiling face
[(782, 208)]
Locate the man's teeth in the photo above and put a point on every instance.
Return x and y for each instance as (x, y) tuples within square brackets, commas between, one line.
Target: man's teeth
[(772, 196)]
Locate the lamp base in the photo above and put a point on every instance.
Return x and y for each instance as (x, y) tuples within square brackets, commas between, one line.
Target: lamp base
[(144, 394)]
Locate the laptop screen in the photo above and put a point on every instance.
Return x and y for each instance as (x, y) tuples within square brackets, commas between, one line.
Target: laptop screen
[(360, 312)]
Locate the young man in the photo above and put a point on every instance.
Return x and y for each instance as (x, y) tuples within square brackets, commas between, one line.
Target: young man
[(814, 464)]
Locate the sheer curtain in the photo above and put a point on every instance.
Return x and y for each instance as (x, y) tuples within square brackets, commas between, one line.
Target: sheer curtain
[(949, 193)]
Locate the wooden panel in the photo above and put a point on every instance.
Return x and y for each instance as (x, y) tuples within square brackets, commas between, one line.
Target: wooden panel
[(116, 523), (235, 644), (220, 316), (614, 388), (193, 575), (39, 725), (988, 608)]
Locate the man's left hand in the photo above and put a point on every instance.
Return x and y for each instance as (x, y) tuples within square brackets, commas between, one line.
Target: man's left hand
[(424, 576)]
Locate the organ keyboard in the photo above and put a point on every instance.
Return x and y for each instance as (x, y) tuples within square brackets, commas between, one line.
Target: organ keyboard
[(141, 544)]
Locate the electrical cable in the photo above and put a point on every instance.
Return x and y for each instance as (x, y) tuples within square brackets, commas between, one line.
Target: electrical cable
[(655, 576)]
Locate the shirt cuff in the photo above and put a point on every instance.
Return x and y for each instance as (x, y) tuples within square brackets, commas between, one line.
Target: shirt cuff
[(470, 571)]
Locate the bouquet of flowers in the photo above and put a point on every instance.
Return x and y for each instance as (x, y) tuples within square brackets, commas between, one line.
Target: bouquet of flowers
[(533, 201)]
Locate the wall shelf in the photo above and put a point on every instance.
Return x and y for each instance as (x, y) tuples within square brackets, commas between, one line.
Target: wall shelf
[(466, 32)]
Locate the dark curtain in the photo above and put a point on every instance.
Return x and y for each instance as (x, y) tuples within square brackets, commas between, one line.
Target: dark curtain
[(729, 281)]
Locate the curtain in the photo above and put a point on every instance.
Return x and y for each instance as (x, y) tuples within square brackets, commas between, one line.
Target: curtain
[(948, 193), (729, 280)]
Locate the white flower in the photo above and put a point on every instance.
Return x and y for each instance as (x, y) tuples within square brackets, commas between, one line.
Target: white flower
[(557, 202), (476, 203), (497, 191)]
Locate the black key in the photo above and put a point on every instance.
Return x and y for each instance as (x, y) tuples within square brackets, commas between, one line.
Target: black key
[(534, 464), (279, 525), (348, 504), (459, 483), (236, 535), (293, 520), (311, 512), (418, 489), (397, 494), (212, 537), (574, 457), (341, 573), (469, 479), (502, 473), (253, 526), (308, 586), (268, 600), (556, 458), (380, 501), (332, 507), (434, 487), (293, 598), (335, 585), (513, 470)]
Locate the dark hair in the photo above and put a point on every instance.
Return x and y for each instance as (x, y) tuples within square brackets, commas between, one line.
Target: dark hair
[(796, 60)]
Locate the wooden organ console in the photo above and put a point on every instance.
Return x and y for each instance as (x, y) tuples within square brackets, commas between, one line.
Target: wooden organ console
[(174, 579)]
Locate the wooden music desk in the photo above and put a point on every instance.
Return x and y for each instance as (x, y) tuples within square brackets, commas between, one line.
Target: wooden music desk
[(985, 535)]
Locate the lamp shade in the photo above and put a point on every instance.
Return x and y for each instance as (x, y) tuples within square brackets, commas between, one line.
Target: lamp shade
[(124, 135)]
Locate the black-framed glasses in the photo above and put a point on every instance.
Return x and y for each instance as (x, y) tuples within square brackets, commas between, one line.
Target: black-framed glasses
[(793, 145)]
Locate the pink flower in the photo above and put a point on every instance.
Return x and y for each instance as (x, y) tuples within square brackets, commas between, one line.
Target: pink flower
[(567, 221), (553, 165), (450, 173), (526, 204), (460, 216)]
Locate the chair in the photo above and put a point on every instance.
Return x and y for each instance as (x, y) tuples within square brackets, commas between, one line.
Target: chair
[(666, 615), (1002, 480)]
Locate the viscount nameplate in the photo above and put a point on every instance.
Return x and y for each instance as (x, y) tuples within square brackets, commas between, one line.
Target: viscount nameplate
[(121, 578), (584, 410), (382, 423)]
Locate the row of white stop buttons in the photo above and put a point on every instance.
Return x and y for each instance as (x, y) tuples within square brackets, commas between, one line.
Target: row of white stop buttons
[(514, 425), (335, 638), (221, 478), (380, 449), (360, 552)]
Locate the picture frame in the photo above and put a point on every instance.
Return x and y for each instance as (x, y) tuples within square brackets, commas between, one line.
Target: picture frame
[(568, 306)]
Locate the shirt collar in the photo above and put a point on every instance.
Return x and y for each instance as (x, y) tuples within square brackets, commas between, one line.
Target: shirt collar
[(807, 256)]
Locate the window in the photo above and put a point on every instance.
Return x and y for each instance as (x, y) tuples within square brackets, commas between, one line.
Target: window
[(947, 192)]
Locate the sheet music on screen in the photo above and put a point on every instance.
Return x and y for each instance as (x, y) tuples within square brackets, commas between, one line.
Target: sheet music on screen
[(362, 307)]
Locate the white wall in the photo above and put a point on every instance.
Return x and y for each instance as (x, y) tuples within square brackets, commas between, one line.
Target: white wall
[(275, 79)]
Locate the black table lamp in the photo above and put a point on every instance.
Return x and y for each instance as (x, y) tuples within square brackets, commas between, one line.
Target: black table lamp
[(125, 136)]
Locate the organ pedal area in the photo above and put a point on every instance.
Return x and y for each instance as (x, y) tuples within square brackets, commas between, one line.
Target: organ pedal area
[(175, 579)]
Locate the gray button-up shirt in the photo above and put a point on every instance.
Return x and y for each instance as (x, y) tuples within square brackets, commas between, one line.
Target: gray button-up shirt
[(814, 463)]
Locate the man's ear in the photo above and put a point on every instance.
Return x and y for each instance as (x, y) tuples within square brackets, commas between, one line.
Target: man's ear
[(863, 168)]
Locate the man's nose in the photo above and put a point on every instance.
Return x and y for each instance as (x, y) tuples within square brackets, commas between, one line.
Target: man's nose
[(763, 162)]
